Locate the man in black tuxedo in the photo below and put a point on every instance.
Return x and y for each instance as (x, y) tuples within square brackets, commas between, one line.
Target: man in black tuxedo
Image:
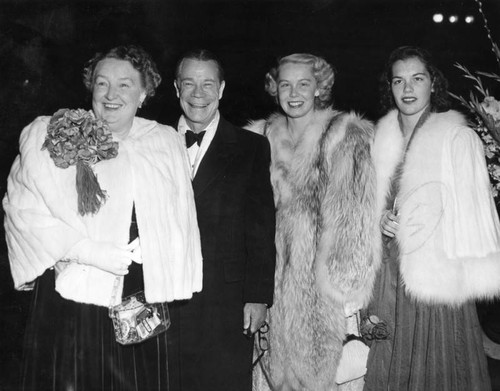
[(208, 349)]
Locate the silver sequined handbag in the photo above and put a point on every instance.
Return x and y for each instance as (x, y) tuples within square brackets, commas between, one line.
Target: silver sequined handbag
[(135, 320)]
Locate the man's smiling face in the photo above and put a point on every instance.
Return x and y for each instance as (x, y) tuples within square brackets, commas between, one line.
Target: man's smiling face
[(199, 91)]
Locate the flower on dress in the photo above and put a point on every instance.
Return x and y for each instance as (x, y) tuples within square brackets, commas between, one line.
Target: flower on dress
[(76, 137), (372, 328)]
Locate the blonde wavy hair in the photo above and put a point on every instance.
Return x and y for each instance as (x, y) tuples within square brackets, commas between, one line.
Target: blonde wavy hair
[(322, 71)]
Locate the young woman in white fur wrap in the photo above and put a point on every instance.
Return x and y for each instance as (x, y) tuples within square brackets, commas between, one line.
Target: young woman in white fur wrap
[(327, 235), (442, 236)]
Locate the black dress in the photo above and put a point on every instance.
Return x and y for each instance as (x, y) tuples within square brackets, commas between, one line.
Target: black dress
[(430, 347), (71, 346)]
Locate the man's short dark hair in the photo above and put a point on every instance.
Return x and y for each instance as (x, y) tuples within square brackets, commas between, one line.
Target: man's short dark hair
[(200, 55)]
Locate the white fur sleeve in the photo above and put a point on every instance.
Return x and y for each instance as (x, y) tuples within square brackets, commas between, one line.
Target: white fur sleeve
[(40, 226), (472, 229), (468, 266)]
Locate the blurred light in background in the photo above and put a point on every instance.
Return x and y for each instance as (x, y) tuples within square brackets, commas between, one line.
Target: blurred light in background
[(437, 18), (469, 19)]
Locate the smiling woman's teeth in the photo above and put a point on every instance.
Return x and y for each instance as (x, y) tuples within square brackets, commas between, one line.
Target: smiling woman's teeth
[(111, 106), (295, 104), (409, 100)]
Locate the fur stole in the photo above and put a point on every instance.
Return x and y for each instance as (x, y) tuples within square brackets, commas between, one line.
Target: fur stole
[(449, 236), (327, 243), (151, 171)]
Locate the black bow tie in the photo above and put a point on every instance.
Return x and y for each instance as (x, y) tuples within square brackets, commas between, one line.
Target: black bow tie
[(192, 137)]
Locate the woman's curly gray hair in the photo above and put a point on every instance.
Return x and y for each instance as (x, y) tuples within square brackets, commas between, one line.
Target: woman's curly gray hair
[(137, 57), (322, 71)]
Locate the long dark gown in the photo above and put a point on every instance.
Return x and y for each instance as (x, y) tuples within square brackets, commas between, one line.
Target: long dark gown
[(430, 348), (71, 346)]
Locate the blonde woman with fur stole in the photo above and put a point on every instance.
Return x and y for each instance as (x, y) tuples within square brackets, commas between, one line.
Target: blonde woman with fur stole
[(324, 191), (442, 236)]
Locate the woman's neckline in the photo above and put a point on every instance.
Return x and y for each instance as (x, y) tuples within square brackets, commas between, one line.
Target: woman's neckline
[(409, 135)]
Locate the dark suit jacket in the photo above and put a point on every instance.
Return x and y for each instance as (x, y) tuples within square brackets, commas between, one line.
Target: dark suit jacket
[(235, 208), (236, 217)]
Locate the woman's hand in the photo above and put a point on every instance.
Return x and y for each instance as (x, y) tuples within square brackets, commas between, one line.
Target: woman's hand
[(105, 256), (389, 223)]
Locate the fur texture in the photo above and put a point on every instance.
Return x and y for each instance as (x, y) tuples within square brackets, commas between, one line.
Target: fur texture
[(151, 171), (449, 236), (327, 244)]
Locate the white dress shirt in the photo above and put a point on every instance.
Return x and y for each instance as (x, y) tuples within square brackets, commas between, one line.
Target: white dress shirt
[(196, 152)]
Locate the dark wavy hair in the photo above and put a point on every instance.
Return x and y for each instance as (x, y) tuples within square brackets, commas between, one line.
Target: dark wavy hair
[(137, 57), (200, 55), (322, 71), (440, 100)]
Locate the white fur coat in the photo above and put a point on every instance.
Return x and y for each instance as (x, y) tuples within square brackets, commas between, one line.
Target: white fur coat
[(327, 244), (449, 234), (42, 223)]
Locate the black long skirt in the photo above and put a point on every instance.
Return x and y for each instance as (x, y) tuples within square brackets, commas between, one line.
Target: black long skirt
[(71, 346)]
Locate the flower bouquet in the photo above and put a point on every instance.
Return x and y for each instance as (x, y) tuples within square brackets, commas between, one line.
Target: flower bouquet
[(374, 329), (486, 111), (76, 137)]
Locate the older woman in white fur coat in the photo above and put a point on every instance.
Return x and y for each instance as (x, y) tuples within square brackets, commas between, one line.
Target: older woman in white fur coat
[(327, 242), (79, 263), (442, 237)]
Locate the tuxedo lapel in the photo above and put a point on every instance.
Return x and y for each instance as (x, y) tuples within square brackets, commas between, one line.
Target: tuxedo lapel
[(219, 155)]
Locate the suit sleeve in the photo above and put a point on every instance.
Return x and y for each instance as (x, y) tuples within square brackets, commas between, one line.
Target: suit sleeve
[(260, 222)]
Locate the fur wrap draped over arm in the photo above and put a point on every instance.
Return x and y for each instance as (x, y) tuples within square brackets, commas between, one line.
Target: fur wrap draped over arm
[(348, 239), (342, 193), (38, 233), (449, 233), (327, 240)]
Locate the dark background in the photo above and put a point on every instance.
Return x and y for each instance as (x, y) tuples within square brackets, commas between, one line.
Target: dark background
[(44, 45)]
